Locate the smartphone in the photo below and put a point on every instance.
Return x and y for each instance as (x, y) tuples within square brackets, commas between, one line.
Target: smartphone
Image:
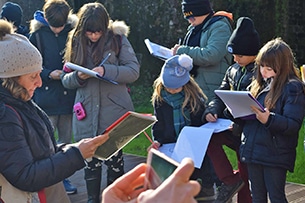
[(159, 168), (79, 111)]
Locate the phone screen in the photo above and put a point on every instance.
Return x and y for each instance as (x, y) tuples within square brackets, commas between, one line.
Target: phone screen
[(159, 167)]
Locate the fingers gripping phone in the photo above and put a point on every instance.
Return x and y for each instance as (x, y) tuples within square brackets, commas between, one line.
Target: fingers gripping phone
[(159, 168)]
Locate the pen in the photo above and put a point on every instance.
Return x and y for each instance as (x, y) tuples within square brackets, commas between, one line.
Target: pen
[(179, 42), (148, 137), (105, 59)]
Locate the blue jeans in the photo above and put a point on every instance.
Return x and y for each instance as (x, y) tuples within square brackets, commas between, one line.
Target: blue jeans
[(267, 180)]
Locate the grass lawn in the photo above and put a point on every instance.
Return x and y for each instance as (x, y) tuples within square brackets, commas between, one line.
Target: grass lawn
[(139, 145)]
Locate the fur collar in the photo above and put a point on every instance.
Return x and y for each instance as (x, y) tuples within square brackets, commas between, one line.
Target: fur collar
[(36, 24), (119, 27)]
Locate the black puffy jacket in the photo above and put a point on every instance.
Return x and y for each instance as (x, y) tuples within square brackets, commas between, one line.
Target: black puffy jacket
[(236, 78), (30, 159)]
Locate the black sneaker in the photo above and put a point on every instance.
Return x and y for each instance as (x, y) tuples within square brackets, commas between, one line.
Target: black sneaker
[(226, 192), (206, 194)]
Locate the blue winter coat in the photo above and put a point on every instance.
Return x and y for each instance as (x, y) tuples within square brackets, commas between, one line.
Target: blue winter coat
[(274, 143), (52, 96)]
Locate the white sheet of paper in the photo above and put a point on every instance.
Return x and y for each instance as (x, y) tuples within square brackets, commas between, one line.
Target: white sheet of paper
[(157, 50), (88, 72), (192, 142), (167, 149), (238, 102), (220, 125)]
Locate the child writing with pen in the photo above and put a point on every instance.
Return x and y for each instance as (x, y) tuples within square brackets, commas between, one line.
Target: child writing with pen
[(269, 142), (95, 36), (178, 101)]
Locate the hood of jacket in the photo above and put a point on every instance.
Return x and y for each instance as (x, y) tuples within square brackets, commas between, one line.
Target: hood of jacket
[(39, 21)]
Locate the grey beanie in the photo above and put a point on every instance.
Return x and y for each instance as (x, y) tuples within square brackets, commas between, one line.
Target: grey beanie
[(18, 56), (176, 71)]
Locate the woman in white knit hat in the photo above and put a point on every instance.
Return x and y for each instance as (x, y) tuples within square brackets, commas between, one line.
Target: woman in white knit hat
[(31, 163)]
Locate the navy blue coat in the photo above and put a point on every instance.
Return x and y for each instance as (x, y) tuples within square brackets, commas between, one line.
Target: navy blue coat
[(52, 97), (163, 130), (274, 143), (235, 79), (30, 159)]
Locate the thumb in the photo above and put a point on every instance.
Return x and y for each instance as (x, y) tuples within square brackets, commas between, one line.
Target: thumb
[(185, 169)]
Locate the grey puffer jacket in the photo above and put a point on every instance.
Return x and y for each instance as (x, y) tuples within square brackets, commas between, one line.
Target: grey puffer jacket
[(52, 96), (105, 102)]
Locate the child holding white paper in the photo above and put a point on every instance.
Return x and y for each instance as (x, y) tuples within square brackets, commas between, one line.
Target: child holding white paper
[(244, 44), (94, 37), (269, 142), (178, 101)]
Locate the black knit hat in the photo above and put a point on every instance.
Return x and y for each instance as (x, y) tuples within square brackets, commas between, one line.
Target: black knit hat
[(12, 12), (244, 39), (191, 8)]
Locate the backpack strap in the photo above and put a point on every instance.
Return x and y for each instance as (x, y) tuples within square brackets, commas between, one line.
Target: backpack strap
[(39, 45), (18, 115), (219, 15)]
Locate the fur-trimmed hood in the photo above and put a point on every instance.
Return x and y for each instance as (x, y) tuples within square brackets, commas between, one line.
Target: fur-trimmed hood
[(39, 21), (119, 27)]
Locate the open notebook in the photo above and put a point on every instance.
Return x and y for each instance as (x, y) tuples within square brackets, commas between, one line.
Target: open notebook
[(122, 131), (157, 50)]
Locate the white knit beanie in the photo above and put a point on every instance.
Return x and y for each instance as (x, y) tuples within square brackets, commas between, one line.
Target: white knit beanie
[(17, 55)]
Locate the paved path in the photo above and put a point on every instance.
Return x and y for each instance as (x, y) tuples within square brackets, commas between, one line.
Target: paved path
[(295, 192)]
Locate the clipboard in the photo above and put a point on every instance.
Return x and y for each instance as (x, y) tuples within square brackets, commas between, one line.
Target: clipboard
[(89, 72), (122, 131), (238, 102)]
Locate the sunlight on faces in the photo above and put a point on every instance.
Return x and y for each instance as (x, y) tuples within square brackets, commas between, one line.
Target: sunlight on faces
[(196, 20), (30, 82), (243, 60), (173, 90), (267, 72), (94, 36)]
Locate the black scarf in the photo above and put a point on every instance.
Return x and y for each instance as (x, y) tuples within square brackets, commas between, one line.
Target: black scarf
[(192, 39)]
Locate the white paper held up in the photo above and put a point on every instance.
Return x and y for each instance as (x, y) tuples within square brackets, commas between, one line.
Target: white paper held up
[(88, 72), (192, 142), (157, 50), (238, 102)]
